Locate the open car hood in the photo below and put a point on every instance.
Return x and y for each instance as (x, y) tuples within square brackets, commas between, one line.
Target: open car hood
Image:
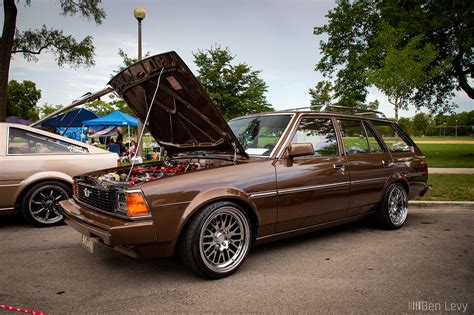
[(183, 117)]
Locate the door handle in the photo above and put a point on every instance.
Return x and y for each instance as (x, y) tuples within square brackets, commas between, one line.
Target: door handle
[(338, 166), (387, 163)]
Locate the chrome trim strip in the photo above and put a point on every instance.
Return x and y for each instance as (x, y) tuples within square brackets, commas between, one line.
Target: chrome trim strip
[(10, 185), (313, 187), (362, 181), (6, 209), (263, 194)]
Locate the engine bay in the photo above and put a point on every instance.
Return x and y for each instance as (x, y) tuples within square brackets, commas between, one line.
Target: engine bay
[(123, 177)]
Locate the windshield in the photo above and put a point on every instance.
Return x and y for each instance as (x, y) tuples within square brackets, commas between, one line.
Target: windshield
[(258, 135)]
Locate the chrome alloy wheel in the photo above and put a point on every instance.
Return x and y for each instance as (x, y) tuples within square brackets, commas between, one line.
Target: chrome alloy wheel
[(224, 239), (44, 204), (397, 206)]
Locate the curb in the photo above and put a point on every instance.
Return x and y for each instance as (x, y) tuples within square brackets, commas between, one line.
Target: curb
[(464, 204)]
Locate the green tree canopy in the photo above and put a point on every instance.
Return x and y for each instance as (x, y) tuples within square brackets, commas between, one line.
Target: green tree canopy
[(235, 88), (47, 109), (323, 94), (22, 99), (30, 43), (434, 39)]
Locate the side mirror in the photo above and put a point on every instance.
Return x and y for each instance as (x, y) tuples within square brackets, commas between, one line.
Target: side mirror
[(300, 149)]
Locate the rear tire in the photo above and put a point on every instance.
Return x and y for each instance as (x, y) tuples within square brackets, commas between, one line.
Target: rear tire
[(392, 212), (40, 204), (217, 240)]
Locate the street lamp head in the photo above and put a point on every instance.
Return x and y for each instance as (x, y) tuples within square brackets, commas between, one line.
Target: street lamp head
[(139, 14)]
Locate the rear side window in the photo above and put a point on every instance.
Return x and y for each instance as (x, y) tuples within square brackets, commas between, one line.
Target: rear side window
[(375, 145), (395, 140), (320, 133), (354, 137), (26, 142)]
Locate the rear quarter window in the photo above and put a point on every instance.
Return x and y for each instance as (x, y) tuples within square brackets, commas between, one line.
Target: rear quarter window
[(395, 139)]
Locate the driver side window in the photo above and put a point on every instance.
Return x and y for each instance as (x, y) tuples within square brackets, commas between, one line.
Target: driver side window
[(320, 133)]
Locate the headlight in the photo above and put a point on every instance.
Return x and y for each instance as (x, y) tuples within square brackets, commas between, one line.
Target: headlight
[(132, 203)]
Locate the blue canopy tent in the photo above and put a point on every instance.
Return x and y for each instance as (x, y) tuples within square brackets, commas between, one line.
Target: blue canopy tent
[(74, 118), (70, 123), (116, 118)]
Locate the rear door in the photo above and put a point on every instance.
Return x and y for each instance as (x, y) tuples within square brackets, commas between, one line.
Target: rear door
[(369, 164), (312, 189)]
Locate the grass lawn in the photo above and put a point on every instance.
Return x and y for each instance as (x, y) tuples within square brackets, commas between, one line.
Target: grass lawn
[(446, 138), (450, 187), (449, 155)]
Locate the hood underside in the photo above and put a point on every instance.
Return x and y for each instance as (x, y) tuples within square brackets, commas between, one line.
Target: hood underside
[(183, 117)]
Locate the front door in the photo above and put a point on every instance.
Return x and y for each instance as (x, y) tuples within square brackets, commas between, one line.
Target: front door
[(312, 189)]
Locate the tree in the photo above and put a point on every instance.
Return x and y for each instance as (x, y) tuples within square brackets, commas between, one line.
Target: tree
[(406, 124), (421, 122), (22, 99), (323, 94), (99, 107), (403, 68), (47, 109), (31, 43), (235, 88), (352, 49)]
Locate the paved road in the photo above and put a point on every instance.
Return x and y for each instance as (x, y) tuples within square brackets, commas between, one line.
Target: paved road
[(434, 170), (355, 268)]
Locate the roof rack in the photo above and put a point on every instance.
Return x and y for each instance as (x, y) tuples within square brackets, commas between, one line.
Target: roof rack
[(324, 108)]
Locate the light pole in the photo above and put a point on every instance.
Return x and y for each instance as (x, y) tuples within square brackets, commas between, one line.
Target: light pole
[(139, 14), (456, 128)]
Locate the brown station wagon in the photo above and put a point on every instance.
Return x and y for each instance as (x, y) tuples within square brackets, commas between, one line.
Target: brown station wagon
[(226, 186)]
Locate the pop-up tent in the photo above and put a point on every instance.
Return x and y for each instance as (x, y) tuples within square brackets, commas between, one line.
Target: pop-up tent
[(113, 119), (18, 120), (116, 118), (74, 118)]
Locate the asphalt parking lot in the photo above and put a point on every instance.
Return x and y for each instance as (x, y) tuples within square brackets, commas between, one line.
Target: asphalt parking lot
[(354, 268)]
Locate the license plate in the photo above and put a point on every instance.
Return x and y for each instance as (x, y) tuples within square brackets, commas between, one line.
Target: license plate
[(88, 243)]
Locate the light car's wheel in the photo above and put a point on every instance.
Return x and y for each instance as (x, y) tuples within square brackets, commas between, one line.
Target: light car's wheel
[(393, 210), (40, 204), (216, 240)]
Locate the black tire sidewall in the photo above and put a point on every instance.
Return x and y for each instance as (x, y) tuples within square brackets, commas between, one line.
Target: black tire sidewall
[(195, 229), (27, 198), (382, 216)]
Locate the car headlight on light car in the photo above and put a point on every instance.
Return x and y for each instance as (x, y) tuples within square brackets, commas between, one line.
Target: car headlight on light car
[(132, 203)]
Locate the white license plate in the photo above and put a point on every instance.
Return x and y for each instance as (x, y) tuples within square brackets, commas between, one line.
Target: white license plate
[(88, 243)]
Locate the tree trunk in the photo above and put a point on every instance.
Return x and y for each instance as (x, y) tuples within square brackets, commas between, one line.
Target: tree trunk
[(461, 76), (6, 42)]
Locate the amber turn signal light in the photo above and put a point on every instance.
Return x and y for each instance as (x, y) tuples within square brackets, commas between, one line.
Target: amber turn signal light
[(74, 188), (136, 205)]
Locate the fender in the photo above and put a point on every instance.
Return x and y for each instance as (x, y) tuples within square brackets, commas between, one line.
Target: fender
[(48, 175), (209, 196)]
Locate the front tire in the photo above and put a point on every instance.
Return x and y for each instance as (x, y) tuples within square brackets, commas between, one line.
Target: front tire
[(217, 240), (40, 204), (393, 210)]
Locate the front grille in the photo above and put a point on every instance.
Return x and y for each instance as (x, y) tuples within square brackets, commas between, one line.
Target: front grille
[(98, 197)]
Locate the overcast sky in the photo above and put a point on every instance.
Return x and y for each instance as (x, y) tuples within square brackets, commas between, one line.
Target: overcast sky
[(274, 36)]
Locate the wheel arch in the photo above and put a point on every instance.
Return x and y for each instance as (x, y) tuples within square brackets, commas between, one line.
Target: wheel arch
[(206, 198), (39, 178), (397, 178)]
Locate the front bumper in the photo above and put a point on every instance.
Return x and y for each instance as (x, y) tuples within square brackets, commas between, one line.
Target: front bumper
[(108, 230)]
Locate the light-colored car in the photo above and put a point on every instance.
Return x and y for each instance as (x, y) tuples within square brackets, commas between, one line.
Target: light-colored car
[(36, 170)]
